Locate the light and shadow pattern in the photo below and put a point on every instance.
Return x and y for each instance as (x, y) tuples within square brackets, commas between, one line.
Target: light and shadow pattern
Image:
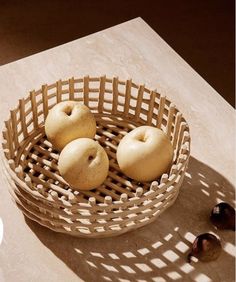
[(158, 251)]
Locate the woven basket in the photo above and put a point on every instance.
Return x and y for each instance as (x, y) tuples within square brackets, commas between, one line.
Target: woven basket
[(120, 204)]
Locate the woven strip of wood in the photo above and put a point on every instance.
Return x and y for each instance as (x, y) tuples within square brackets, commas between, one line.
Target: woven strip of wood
[(120, 204)]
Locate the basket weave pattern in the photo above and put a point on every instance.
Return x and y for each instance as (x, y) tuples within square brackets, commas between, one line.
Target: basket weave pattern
[(120, 204)]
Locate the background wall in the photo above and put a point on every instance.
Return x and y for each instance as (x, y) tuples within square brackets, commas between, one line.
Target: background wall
[(202, 32)]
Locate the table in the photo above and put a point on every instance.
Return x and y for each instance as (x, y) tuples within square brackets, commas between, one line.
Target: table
[(157, 252)]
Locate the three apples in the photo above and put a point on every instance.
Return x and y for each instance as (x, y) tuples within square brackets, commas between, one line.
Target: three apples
[(143, 154)]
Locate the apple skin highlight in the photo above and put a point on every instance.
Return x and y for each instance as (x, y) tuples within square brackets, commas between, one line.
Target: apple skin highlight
[(145, 153), (67, 121)]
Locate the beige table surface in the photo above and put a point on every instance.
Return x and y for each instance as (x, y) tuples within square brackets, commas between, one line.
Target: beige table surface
[(157, 252)]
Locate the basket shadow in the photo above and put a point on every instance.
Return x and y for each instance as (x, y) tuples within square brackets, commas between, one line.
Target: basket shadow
[(158, 251)]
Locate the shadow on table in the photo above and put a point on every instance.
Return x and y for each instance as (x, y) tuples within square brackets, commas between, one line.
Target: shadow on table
[(156, 252)]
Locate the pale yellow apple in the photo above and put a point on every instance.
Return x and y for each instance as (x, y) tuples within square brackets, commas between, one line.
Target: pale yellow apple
[(84, 164), (145, 153), (67, 121)]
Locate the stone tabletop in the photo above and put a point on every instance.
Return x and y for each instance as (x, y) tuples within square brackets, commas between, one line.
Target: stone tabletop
[(157, 252)]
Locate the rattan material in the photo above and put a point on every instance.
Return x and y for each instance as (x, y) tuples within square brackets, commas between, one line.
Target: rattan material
[(120, 204)]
